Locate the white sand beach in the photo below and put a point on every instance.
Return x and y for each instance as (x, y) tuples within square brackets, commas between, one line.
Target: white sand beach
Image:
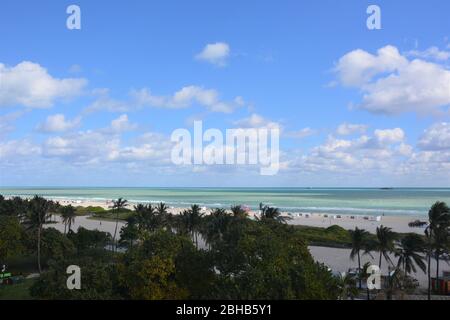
[(346, 221)]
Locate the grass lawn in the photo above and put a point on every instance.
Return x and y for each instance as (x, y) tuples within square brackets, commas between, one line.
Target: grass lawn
[(20, 291)]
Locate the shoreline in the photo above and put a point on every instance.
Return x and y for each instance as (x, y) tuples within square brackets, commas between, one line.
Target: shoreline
[(322, 220)]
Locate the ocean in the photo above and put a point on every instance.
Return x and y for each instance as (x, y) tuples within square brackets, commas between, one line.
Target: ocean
[(357, 201)]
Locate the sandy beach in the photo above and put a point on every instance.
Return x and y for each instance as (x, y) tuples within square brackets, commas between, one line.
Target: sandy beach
[(346, 221)]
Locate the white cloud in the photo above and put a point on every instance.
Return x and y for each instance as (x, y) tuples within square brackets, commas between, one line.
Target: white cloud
[(437, 137), (215, 53), (103, 146), (187, 97), (88, 147), (7, 120), (346, 129), (302, 133), (358, 67), (58, 123), (122, 124), (28, 84), (389, 135), (105, 102), (257, 121), (18, 148), (391, 84), (384, 151), (431, 53)]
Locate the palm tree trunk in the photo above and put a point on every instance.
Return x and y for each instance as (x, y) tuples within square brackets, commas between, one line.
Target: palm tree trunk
[(437, 270), (115, 232), (379, 263), (196, 239), (429, 274), (39, 249), (359, 271), (65, 228)]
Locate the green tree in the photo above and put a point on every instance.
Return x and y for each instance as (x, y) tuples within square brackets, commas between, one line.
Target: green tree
[(346, 284), (118, 205), (85, 239), (359, 238), (98, 281), (11, 237), (39, 213), (68, 215), (191, 221), (271, 214), (216, 224), (408, 252), (438, 224), (238, 212), (55, 245), (129, 234), (166, 219), (385, 243)]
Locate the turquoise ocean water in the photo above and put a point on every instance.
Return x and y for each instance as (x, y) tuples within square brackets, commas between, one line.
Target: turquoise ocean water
[(401, 201)]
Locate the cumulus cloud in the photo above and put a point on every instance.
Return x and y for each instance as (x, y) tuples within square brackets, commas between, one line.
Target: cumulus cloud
[(385, 150), (346, 129), (389, 135), (391, 84), (58, 123), (433, 53), (102, 146), (437, 137), (257, 121), (215, 53), (7, 122), (186, 97), (29, 84), (18, 148), (122, 124)]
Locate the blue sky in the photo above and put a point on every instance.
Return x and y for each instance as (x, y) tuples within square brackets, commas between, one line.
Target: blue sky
[(298, 64)]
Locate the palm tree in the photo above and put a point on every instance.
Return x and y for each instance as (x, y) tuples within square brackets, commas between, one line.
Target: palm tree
[(216, 225), (196, 220), (238, 212), (39, 213), (364, 275), (359, 242), (165, 216), (440, 245), (118, 205), (438, 221), (346, 284), (271, 214), (409, 252), (385, 243), (68, 215), (147, 218)]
